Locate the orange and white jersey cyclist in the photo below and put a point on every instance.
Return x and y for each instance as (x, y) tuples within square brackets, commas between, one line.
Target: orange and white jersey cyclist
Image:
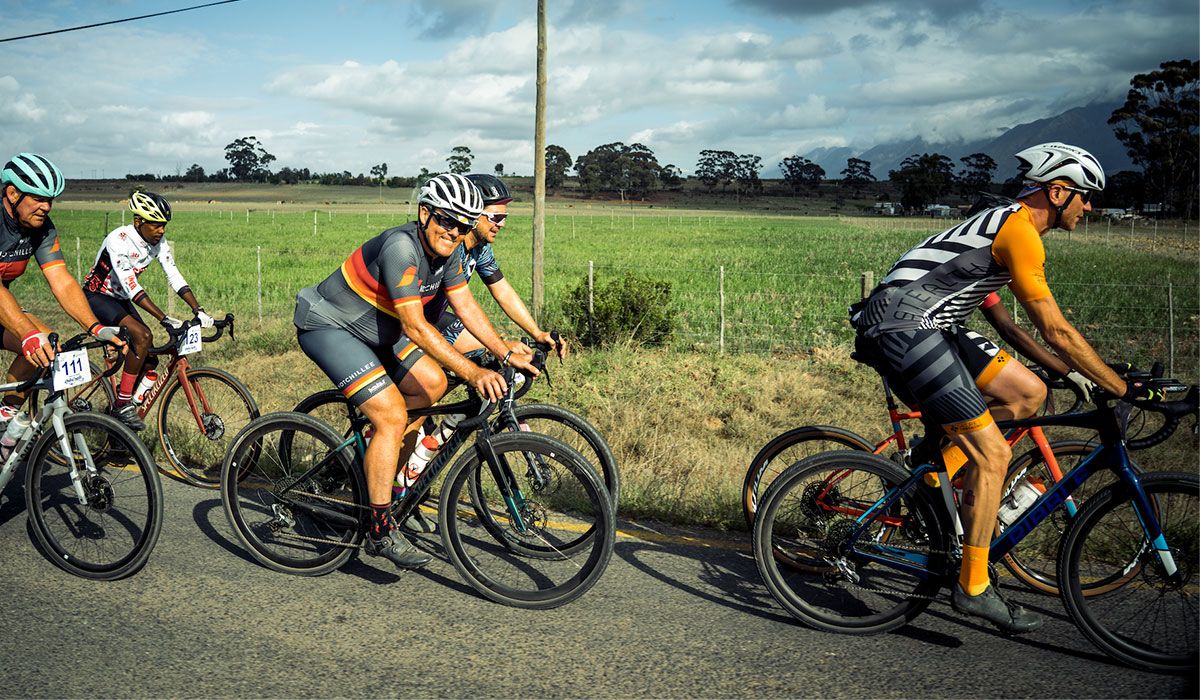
[(365, 323), (29, 183), (911, 328), (115, 294)]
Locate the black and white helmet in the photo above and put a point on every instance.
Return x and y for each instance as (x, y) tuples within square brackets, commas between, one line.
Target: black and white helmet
[(151, 207), (455, 195), (1052, 161)]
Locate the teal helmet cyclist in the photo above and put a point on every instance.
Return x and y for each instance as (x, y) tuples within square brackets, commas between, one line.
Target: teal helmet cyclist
[(33, 175)]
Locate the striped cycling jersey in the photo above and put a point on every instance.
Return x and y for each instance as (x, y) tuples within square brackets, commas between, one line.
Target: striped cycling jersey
[(123, 257), (479, 258), (18, 244), (387, 272), (941, 280)]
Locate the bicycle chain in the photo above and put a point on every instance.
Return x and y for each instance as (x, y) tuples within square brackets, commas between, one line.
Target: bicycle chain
[(320, 540)]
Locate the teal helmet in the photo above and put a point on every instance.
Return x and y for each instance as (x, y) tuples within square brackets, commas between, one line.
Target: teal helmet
[(33, 174)]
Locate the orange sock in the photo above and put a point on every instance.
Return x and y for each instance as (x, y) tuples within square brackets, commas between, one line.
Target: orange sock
[(973, 578), (954, 460)]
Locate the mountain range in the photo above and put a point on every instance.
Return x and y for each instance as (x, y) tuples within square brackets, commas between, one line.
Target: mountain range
[(1086, 127)]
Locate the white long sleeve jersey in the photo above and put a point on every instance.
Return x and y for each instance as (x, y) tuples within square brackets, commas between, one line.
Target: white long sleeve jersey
[(123, 257)]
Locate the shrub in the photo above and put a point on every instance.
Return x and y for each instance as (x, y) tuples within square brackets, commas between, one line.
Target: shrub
[(629, 309)]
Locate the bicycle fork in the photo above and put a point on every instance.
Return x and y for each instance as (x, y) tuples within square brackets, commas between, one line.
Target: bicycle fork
[(514, 500)]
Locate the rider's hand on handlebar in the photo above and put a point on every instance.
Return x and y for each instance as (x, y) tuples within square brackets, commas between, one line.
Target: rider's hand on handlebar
[(205, 320), (516, 347), (35, 346), (524, 363), (556, 341), (1085, 385), (171, 323), (1143, 392), (489, 384), (109, 334)]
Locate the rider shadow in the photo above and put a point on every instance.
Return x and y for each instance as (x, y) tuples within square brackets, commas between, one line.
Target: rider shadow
[(201, 514), (381, 572), (733, 573), (12, 502)]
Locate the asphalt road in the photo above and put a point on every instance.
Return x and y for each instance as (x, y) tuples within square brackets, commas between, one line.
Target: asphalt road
[(677, 614)]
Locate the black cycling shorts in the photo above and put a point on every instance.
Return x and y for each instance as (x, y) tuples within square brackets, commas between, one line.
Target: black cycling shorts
[(110, 310), (358, 370)]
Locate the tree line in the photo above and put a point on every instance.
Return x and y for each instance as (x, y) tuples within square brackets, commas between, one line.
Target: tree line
[(1157, 124)]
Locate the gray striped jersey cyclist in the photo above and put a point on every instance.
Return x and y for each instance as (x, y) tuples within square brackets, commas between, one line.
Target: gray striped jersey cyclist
[(352, 323), (29, 183), (911, 326), (115, 295)]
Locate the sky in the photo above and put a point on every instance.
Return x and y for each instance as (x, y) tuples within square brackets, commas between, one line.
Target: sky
[(344, 85)]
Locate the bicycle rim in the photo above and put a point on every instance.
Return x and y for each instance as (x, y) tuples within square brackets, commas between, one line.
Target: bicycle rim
[(577, 433), (810, 548), (557, 545), (224, 406), (111, 534), (311, 527), (1152, 621)]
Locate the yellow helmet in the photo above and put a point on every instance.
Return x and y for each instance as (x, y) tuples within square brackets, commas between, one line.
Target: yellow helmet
[(151, 207)]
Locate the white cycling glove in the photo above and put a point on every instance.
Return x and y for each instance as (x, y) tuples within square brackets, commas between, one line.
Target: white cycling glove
[(1085, 385), (171, 322), (206, 321)]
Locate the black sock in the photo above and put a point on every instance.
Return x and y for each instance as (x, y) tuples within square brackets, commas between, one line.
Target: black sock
[(381, 519)]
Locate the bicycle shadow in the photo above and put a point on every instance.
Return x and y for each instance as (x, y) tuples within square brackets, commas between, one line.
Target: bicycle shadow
[(380, 571), (201, 514)]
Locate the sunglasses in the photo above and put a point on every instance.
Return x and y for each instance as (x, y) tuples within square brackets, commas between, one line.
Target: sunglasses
[(451, 224), (1085, 196), (495, 217)]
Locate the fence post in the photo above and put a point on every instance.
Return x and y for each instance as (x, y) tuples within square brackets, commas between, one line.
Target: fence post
[(868, 283), (1170, 327), (105, 231), (592, 300), (721, 342), (314, 222), (1154, 236), (260, 284), (78, 261), (247, 216)]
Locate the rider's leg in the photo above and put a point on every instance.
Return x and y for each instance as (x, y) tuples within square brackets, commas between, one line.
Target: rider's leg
[(135, 358), (21, 369), (988, 454), (1014, 392)]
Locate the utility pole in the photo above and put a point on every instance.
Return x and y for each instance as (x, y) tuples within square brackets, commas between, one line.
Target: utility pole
[(539, 170)]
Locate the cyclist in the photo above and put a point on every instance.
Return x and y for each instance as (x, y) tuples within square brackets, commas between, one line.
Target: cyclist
[(29, 184), (912, 328), (114, 294), (364, 324)]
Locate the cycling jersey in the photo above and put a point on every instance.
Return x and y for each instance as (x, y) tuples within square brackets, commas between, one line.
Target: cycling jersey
[(479, 258), (940, 281), (18, 244), (124, 256)]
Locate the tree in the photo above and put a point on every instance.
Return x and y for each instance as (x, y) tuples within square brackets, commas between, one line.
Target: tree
[(615, 167), (716, 168), (923, 178), (857, 174), (379, 172), (746, 169), (800, 172), (1124, 190), (558, 162), (248, 160), (670, 176), (460, 160), (499, 169), (194, 173), (976, 175), (1158, 126)]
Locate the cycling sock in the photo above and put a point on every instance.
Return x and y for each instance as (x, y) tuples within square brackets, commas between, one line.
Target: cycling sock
[(125, 390), (381, 519), (973, 577)]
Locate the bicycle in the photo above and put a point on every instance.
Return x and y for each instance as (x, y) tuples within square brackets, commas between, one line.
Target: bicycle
[(877, 544), (523, 517), (92, 489), (332, 407), (1044, 462), (201, 409)]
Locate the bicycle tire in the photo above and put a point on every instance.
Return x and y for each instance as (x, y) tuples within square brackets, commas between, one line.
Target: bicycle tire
[(311, 530), (1034, 559), (1107, 535), (113, 535), (331, 407), (196, 455), (577, 433), (527, 569), (785, 450), (812, 510)]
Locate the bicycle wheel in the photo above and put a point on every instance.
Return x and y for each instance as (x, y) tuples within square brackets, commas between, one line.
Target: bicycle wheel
[(573, 430), (1034, 558), (787, 449), (196, 424), (111, 533), (561, 539), (1152, 621), (819, 571), (330, 407), (311, 527)]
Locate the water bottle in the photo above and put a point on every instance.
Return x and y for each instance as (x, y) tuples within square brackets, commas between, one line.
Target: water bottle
[(449, 423), (16, 428), (407, 476), (148, 381), (1019, 499)]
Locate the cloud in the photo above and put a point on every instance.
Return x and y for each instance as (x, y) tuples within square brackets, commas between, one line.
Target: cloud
[(801, 9), (450, 19)]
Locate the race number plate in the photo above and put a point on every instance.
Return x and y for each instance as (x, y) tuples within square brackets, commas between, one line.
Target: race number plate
[(71, 369), (190, 343)]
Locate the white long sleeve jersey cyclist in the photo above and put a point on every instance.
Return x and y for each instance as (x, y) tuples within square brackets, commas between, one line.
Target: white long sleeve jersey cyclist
[(123, 257)]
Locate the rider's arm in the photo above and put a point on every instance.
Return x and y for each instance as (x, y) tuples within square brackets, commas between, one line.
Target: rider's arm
[(11, 316), (997, 314), (476, 321), (70, 296), (166, 258), (510, 301)]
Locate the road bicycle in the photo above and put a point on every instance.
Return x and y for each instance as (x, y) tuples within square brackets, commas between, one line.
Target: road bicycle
[(876, 544), (332, 407), (92, 490), (523, 517), (202, 408)]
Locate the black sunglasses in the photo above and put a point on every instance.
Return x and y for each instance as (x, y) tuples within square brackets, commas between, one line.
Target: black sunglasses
[(1085, 196), (450, 223)]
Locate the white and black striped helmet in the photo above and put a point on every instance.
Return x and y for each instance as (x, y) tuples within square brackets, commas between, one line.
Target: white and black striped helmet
[(1052, 161), (455, 195), (33, 174), (151, 207)]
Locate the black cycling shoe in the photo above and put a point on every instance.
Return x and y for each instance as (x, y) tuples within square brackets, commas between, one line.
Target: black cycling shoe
[(128, 414), (417, 522), (1007, 617), (397, 550)]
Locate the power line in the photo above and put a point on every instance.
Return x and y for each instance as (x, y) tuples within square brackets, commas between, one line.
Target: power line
[(117, 21)]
